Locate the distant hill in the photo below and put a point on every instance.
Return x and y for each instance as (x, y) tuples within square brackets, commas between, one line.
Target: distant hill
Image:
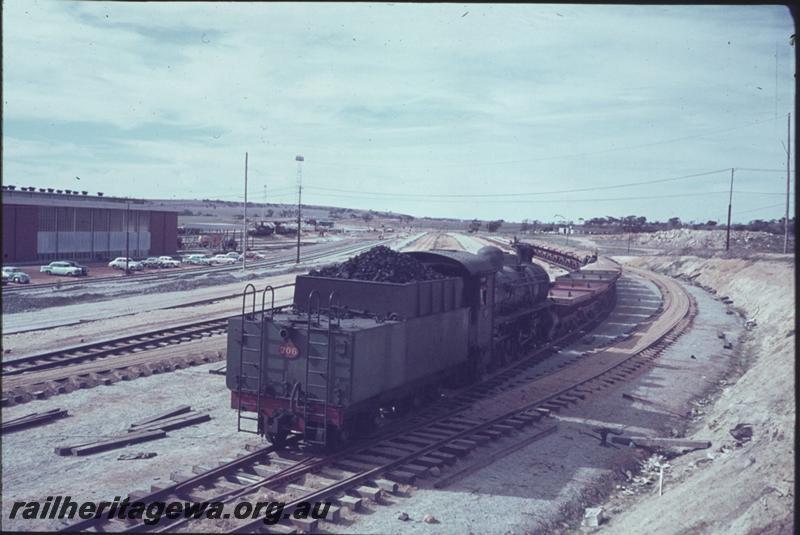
[(219, 211)]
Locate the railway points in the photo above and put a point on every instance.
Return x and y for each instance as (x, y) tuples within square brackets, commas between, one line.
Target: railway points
[(427, 444), (512, 409)]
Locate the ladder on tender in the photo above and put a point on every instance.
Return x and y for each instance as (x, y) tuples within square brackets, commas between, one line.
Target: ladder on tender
[(251, 354), (319, 376)]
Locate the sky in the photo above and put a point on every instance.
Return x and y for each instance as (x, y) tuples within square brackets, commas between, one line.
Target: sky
[(468, 111)]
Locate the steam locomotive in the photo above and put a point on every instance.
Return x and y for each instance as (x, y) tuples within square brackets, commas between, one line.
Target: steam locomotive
[(327, 366)]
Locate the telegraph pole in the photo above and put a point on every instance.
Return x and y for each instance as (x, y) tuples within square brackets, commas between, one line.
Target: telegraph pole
[(788, 158), (299, 159), (730, 201), (127, 235), (244, 221)]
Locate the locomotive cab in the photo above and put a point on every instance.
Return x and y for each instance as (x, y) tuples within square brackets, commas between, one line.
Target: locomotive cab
[(478, 274)]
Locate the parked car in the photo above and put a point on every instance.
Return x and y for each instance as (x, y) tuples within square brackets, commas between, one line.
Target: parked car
[(152, 262), (199, 259), (61, 268), (221, 259), (120, 263), (84, 269), (13, 274), (169, 262), (234, 255)]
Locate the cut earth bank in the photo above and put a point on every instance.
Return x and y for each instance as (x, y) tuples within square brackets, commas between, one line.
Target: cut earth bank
[(747, 486)]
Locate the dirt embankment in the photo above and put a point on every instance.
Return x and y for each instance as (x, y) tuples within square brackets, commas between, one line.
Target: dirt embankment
[(701, 242), (746, 487)]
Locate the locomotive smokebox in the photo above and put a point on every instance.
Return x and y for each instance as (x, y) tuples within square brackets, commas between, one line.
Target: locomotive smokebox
[(493, 255)]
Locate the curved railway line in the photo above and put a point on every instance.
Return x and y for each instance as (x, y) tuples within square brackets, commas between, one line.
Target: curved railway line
[(423, 445), (114, 359)]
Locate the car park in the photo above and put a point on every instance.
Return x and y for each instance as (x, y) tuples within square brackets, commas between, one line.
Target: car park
[(121, 262), (221, 259), (62, 268), (152, 262), (14, 274), (169, 262), (198, 259), (84, 269)]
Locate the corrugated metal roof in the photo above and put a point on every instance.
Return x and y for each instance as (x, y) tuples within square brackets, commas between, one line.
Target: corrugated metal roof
[(36, 198)]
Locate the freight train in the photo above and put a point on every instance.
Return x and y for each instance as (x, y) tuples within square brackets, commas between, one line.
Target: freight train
[(345, 351)]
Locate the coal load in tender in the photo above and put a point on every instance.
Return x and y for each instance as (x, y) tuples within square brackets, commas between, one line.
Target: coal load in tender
[(379, 264)]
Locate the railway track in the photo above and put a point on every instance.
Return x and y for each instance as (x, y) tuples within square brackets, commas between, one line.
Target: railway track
[(23, 390), (87, 365), (326, 249), (17, 326), (22, 383), (118, 346), (425, 445)]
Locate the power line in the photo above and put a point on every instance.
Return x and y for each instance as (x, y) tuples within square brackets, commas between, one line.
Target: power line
[(738, 212), (526, 201), (758, 192), (560, 156), (762, 170), (518, 194)]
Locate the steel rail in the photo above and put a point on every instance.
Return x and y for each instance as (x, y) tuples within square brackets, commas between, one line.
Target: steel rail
[(334, 248), (678, 310), (311, 464), (298, 470), (675, 328)]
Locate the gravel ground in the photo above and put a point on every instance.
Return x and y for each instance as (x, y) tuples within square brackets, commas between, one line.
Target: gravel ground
[(126, 316), (31, 470), (468, 243), (536, 488), (102, 476), (734, 489), (73, 306)]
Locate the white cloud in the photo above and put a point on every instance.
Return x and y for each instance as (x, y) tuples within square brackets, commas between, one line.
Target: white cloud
[(382, 97)]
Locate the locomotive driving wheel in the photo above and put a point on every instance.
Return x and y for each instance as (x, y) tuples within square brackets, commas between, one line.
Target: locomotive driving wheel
[(278, 428), (278, 439)]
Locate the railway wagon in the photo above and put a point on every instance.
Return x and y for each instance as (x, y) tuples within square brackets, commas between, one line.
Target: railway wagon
[(581, 296), (327, 366)]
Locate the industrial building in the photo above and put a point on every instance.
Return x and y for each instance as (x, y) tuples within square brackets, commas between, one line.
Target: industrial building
[(47, 224)]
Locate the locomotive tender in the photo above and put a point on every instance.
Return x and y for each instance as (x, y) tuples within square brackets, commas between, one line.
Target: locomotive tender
[(325, 366)]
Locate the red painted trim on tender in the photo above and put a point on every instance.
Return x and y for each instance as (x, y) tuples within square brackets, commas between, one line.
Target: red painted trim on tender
[(270, 405)]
